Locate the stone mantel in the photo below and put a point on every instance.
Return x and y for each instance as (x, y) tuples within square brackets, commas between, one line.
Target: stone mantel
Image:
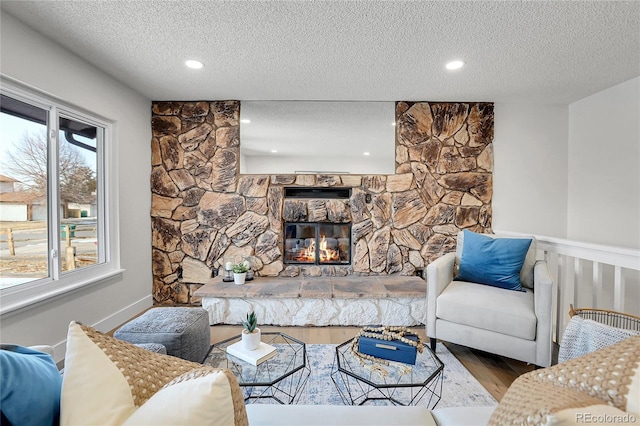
[(320, 301), (355, 287)]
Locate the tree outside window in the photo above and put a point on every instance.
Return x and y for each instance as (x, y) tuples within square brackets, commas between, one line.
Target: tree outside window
[(38, 238)]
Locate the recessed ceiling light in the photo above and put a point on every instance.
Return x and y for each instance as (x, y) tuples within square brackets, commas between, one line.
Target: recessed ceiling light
[(366, 153), (393, 124), (192, 63), (245, 120), (274, 151), (454, 65)]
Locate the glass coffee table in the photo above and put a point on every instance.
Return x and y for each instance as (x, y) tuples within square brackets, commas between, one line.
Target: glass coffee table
[(281, 378), (379, 384)]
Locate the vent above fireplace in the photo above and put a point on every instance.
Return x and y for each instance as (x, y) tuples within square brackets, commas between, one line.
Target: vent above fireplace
[(305, 192)]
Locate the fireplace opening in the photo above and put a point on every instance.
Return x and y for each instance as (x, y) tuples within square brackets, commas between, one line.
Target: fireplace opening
[(317, 243)]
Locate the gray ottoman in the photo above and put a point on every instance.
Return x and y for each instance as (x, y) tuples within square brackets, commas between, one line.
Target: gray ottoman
[(185, 332), (153, 347)]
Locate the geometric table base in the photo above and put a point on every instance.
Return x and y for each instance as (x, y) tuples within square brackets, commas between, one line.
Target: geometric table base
[(396, 383), (280, 378)]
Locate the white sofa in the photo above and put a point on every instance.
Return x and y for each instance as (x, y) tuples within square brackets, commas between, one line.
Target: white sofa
[(339, 415), (545, 396)]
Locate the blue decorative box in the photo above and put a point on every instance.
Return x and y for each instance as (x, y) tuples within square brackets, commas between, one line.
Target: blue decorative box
[(393, 350)]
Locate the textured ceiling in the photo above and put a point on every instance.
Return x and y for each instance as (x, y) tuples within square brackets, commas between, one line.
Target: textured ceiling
[(544, 51)]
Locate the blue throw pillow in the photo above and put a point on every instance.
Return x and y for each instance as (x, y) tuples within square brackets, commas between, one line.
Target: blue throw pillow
[(492, 261), (31, 386)]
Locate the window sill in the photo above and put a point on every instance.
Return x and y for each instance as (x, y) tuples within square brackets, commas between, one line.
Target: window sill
[(24, 299)]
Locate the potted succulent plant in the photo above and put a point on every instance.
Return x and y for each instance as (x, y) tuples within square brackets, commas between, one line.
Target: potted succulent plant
[(251, 332), (239, 272)]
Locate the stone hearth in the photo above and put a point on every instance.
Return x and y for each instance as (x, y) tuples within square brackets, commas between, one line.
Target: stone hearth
[(204, 212), (320, 301)]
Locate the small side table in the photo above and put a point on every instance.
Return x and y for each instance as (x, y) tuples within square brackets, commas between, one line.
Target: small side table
[(281, 378), (396, 383)]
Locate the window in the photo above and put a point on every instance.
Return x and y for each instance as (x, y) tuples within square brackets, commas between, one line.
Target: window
[(54, 214)]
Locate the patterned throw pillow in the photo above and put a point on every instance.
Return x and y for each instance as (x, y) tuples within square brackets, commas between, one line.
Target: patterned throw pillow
[(109, 381), (610, 376)]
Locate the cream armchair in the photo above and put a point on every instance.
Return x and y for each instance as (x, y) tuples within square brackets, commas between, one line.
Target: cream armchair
[(515, 324)]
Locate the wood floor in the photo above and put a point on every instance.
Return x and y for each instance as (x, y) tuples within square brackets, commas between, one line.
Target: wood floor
[(494, 372)]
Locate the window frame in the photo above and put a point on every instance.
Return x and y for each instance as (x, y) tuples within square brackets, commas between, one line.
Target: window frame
[(58, 283)]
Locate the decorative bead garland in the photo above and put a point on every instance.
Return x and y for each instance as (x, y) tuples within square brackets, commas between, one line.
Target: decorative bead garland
[(382, 333)]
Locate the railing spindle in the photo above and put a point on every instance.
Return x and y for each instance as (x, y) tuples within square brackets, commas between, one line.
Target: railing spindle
[(560, 298), (618, 289), (577, 280), (597, 284)]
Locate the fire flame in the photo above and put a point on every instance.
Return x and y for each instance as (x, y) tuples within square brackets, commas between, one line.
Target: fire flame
[(326, 254), (309, 254)]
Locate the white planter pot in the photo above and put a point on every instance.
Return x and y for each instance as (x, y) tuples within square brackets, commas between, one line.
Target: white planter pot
[(251, 342), (239, 278)]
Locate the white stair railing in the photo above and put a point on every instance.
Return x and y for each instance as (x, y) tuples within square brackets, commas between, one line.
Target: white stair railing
[(589, 275)]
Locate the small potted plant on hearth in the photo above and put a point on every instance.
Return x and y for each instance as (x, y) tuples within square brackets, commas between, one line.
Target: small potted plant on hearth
[(239, 272), (251, 332)]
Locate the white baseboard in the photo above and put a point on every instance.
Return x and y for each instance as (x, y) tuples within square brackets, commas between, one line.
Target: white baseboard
[(109, 323), (123, 315)]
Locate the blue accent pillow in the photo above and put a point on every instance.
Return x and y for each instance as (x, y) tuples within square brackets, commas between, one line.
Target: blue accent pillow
[(492, 261), (31, 386)]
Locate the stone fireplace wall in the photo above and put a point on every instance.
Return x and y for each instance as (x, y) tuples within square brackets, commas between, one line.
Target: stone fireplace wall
[(203, 211)]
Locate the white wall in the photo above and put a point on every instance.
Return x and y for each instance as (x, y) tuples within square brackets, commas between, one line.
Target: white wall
[(604, 167), (257, 164), (530, 169), (34, 60)]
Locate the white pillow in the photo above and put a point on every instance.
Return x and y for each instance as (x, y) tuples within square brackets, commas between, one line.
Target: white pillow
[(202, 401), (600, 414), (95, 392)]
